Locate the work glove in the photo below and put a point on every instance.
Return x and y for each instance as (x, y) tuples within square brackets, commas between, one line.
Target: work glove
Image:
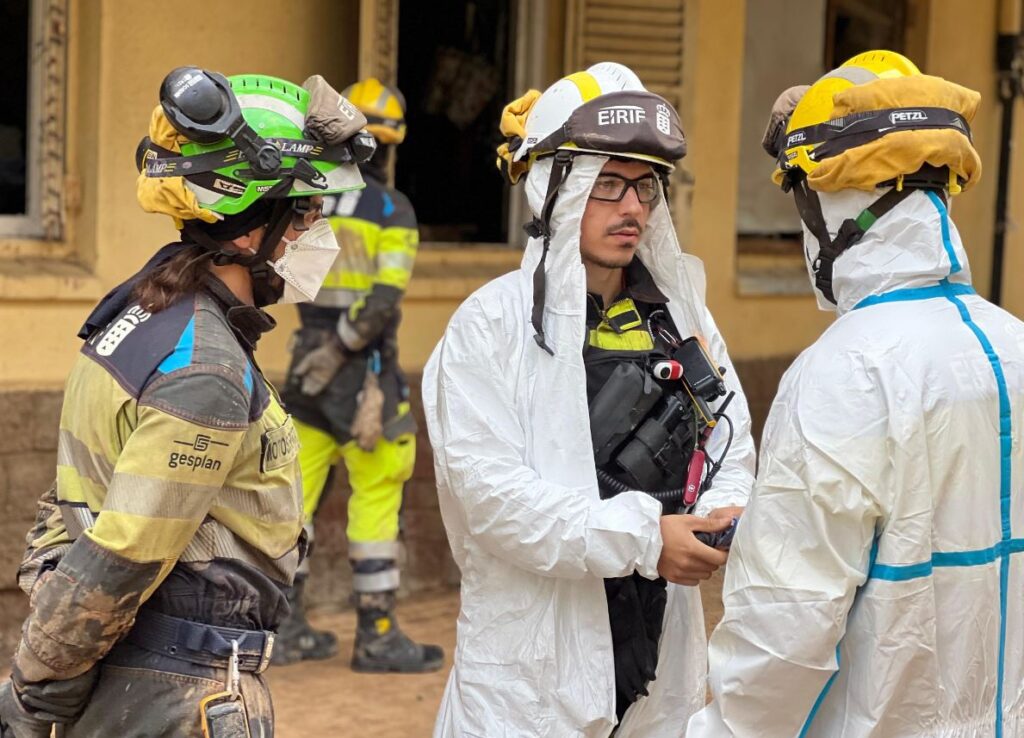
[(784, 106), (30, 710), (368, 423), (329, 116), (317, 368), (15, 719)]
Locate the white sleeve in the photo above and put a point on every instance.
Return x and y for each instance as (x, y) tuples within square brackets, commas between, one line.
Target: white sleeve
[(480, 449), (735, 479), (799, 556)]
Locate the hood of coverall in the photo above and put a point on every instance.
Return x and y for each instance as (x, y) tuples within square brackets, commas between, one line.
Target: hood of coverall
[(915, 244), (565, 274)]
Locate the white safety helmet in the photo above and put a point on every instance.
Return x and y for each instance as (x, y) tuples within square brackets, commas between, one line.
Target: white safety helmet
[(605, 110), (561, 99)]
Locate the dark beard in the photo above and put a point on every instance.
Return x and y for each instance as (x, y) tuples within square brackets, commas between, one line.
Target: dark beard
[(604, 264)]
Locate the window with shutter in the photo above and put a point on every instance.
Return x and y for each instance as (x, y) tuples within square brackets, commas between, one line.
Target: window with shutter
[(645, 35)]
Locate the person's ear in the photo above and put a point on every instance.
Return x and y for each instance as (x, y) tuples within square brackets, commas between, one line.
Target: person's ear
[(249, 242)]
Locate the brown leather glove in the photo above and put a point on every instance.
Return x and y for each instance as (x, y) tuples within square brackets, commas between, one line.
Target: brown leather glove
[(784, 106), (318, 367)]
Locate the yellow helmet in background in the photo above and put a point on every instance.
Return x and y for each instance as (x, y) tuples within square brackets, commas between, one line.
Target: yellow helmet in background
[(383, 106), (875, 120)]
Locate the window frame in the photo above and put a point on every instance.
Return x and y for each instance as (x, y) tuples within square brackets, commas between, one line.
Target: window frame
[(43, 219), (773, 263)]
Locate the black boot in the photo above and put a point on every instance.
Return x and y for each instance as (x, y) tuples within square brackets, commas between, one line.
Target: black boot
[(380, 644), (296, 639)]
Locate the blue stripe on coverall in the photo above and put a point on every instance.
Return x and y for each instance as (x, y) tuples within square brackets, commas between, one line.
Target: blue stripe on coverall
[(1007, 544), (828, 685)]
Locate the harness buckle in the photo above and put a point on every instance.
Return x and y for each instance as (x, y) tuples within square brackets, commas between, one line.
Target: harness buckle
[(268, 651)]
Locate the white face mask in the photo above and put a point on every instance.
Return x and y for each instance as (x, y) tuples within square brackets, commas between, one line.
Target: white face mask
[(306, 262)]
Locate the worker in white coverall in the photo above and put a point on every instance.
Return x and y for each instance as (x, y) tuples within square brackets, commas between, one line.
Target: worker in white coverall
[(506, 397), (875, 584)]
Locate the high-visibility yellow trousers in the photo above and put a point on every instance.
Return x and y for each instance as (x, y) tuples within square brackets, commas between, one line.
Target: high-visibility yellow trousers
[(376, 477)]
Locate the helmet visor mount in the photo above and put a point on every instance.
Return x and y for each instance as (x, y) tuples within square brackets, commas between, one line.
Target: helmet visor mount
[(203, 107)]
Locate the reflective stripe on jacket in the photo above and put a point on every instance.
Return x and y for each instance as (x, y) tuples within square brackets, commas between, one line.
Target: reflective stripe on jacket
[(177, 472)]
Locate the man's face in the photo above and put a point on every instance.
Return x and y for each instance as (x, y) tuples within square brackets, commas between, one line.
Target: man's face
[(610, 231)]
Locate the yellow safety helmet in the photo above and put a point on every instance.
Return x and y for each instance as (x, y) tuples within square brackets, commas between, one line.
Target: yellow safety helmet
[(817, 104), (876, 121), (835, 131), (383, 106)]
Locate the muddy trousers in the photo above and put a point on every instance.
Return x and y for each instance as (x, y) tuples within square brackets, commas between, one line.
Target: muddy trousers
[(142, 694)]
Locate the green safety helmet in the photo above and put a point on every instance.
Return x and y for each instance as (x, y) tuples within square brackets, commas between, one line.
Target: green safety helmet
[(233, 141)]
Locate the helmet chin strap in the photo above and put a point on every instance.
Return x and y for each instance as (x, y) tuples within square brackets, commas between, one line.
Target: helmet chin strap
[(850, 232), (265, 292), (541, 227)]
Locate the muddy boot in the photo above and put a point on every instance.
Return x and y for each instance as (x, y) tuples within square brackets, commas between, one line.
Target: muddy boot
[(381, 646), (296, 639)]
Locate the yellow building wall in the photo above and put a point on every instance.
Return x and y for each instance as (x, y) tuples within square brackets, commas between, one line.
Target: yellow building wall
[(961, 48), (1013, 266), (119, 52), (753, 326)]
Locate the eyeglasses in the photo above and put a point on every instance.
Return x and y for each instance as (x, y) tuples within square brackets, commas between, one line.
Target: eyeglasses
[(305, 212), (613, 187)]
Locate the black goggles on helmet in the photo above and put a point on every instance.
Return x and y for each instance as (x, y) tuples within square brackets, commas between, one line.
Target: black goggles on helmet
[(210, 112)]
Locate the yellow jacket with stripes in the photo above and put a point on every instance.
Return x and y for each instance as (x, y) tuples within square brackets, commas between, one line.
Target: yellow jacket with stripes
[(177, 486), (377, 232)]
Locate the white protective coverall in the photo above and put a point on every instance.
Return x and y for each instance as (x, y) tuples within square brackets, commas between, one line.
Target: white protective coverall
[(518, 492), (873, 588)]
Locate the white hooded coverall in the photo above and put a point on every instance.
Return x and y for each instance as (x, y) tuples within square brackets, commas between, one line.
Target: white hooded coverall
[(875, 587), (516, 480)]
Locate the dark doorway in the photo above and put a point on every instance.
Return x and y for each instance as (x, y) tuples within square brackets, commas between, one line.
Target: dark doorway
[(455, 65), (855, 26), (15, 20)]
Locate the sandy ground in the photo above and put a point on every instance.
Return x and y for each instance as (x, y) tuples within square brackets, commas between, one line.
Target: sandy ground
[(327, 699)]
